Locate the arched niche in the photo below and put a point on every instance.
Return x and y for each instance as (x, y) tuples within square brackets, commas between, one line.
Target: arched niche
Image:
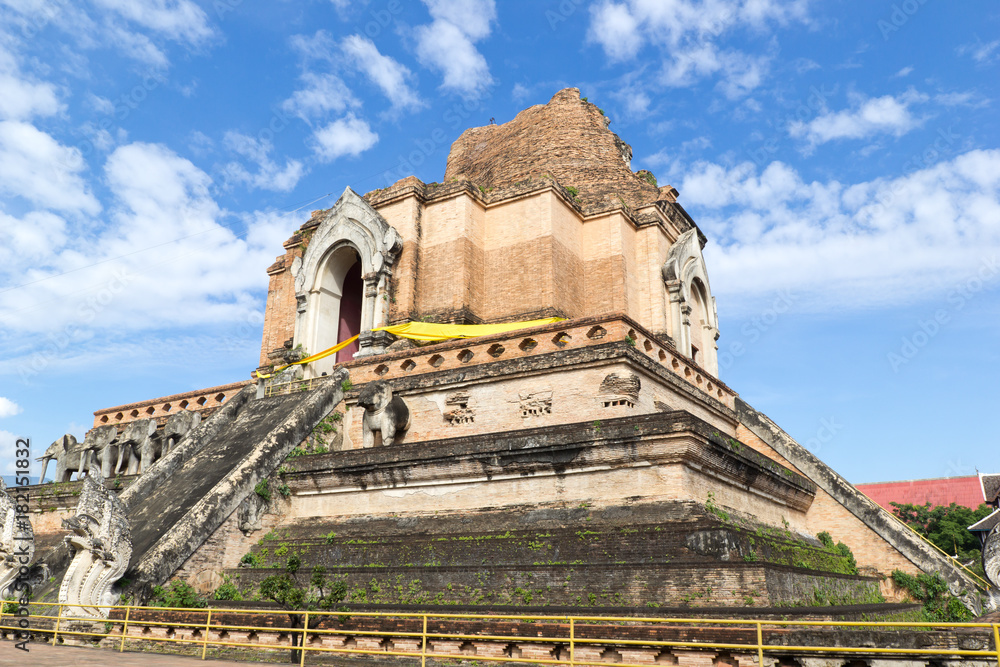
[(347, 267), (692, 316)]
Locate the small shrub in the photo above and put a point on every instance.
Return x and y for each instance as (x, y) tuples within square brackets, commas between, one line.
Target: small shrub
[(932, 591), (177, 593), (263, 489), (227, 590)]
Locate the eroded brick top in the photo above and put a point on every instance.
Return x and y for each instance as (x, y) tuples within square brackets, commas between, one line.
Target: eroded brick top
[(567, 138)]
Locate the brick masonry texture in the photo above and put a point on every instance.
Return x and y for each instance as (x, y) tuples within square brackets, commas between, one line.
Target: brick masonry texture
[(568, 138), (541, 216)]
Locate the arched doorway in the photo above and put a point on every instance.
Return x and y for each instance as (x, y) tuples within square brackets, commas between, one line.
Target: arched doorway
[(699, 320), (351, 301), (338, 307)]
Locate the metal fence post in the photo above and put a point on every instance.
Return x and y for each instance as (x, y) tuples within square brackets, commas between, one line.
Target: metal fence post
[(302, 644), (128, 610), (55, 633), (760, 645), (423, 644), (996, 641), (572, 638), (204, 641)]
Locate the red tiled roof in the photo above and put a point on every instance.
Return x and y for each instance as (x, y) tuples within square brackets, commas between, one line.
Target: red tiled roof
[(965, 491)]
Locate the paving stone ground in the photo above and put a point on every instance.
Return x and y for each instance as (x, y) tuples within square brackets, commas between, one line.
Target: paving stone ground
[(44, 655)]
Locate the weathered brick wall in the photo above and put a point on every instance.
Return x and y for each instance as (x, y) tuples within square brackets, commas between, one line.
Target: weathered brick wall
[(538, 217), (568, 138)]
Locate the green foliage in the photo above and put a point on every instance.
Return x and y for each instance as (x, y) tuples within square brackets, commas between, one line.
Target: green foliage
[(630, 341), (251, 559), (321, 593), (227, 590), (263, 489), (647, 176), (846, 552), (176, 594), (711, 507), (946, 528), (932, 591), (573, 191), (330, 537), (346, 385), (825, 539), (284, 490)]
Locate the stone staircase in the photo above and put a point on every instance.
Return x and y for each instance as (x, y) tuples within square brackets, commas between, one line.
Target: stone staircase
[(186, 495)]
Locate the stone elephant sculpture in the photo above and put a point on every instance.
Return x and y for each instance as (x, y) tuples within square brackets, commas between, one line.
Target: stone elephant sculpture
[(70, 458), (101, 452), (176, 428), (137, 448), (384, 413)]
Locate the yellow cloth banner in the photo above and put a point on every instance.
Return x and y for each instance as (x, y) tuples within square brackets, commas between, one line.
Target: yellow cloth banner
[(426, 331)]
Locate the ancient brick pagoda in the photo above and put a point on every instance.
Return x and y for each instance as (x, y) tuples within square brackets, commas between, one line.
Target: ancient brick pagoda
[(598, 461)]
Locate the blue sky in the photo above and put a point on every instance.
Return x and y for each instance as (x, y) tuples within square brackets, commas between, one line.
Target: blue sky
[(842, 157)]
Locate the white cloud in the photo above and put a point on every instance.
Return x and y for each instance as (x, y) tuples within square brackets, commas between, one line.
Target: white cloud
[(180, 20), (869, 116), (8, 408), (849, 246), (980, 52), (321, 94), (164, 256), (906, 71), (138, 29), (519, 93), (448, 43), (269, 175), (39, 169), (616, 29), (20, 97), (390, 76), (688, 32), (345, 136)]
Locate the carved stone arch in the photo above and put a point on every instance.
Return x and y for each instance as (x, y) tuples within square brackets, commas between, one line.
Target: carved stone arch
[(350, 226), (693, 317)]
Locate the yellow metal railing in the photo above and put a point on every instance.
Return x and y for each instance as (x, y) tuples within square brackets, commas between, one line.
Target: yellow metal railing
[(563, 631)]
